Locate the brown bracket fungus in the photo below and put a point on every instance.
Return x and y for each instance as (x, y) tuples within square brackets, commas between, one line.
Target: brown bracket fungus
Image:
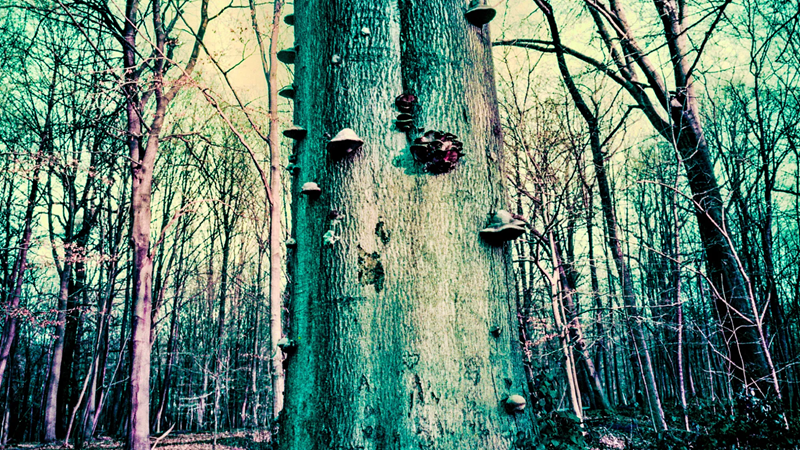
[(479, 14), (343, 144), (405, 102), (311, 189), (513, 404), (404, 124), (287, 56), (502, 227), (287, 92), (295, 132), (289, 20), (438, 151)]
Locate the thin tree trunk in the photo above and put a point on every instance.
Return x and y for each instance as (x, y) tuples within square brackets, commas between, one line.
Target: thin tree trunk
[(51, 396), (269, 63), (17, 276)]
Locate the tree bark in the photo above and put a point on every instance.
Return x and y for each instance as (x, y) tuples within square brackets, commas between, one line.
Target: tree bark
[(54, 377), (17, 276), (269, 63), (394, 292)]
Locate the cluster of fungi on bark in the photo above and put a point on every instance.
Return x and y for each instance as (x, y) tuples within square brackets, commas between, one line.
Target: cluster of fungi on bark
[(437, 151)]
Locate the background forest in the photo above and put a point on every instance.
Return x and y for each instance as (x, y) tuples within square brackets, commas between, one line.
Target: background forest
[(152, 222)]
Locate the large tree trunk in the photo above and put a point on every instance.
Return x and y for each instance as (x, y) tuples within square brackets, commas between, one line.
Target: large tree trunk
[(395, 294)]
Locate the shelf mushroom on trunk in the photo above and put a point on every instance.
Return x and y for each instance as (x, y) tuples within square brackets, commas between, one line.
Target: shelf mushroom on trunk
[(515, 403), (343, 144), (287, 56), (295, 133), (503, 227), (479, 14), (287, 92), (311, 189)]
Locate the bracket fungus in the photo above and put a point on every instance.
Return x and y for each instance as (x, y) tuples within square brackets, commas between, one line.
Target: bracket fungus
[(365, 31), (438, 151), (287, 56), (405, 102), (495, 331), (404, 124), (291, 243), (502, 227), (287, 345), (343, 144), (295, 132), (479, 14), (514, 403), (289, 20), (287, 92), (311, 189)]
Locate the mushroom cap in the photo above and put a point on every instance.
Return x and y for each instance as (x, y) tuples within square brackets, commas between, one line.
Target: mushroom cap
[(499, 235), (344, 143), (287, 92), (405, 102), (287, 345), (310, 188), (289, 19), (404, 124), (515, 403), (291, 243), (419, 151), (480, 15), (503, 217), (295, 132), (287, 56)]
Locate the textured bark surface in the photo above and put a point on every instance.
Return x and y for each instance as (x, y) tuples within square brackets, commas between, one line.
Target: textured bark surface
[(54, 377), (393, 318)]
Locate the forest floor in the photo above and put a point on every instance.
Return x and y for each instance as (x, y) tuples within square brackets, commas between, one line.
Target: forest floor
[(234, 440)]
